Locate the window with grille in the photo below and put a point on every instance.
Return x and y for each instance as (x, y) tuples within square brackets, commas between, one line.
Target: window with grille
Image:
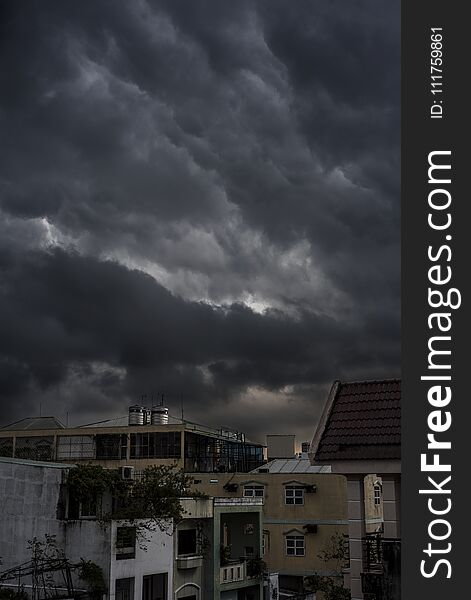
[(294, 494), (111, 446), (6, 447), (254, 491), (294, 545), (125, 543), (155, 445), (35, 448), (76, 447)]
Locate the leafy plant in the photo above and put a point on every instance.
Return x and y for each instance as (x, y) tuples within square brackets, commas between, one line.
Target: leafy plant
[(336, 552), (224, 555), (203, 541), (11, 594), (151, 502), (88, 483), (255, 567), (93, 576)]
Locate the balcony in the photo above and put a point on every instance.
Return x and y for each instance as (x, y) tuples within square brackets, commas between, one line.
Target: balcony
[(377, 551), (197, 508), (242, 570), (189, 562), (382, 568), (232, 572), (373, 553)]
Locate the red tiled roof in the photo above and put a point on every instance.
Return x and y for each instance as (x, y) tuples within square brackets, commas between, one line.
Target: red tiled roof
[(363, 422)]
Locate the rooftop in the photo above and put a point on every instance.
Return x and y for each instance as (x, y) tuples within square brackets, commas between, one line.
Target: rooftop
[(120, 424), (292, 465), (361, 421), (34, 423)]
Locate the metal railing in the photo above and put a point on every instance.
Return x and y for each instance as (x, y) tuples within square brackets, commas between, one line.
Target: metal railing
[(238, 501), (373, 551)]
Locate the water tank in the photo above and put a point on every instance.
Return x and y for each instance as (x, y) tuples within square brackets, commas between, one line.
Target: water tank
[(159, 415), (136, 415)]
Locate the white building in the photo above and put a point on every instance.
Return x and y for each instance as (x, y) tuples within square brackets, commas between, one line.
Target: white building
[(168, 563)]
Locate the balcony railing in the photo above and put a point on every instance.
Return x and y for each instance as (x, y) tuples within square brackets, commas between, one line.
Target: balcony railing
[(238, 501), (233, 572), (374, 555), (381, 578)]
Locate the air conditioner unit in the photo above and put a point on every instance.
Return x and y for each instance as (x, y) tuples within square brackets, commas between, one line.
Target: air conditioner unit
[(311, 528), (310, 488), (127, 473), (231, 487)]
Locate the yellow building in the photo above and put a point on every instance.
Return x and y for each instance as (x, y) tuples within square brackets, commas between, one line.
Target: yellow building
[(303, 507)]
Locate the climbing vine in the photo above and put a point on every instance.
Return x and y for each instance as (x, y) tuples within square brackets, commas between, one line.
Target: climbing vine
[(149, 503)]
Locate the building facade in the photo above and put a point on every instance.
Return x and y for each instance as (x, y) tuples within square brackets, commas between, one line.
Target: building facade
[(183, 561), (192, 447), (303, 507), (359, 434)]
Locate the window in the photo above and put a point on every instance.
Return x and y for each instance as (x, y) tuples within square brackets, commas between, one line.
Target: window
[(295, 545), (249, 529), (249, 551), (112, 446), (125, 543), (377, 494), (125, 589), (88, 509), (155, 445), (265, 543), (75, 446), (254, 491), (154, 587), (35, 448), (6, 447), (294, 494), (187, 542)]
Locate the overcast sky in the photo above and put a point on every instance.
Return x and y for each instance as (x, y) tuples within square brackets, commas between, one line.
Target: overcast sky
[(199, 199)]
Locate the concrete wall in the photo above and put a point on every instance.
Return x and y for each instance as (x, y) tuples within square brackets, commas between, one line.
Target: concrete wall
[(28, 495)]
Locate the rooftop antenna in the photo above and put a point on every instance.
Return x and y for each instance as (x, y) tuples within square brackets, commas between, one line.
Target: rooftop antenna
[(162, 401), (181, 402), (40, 409)]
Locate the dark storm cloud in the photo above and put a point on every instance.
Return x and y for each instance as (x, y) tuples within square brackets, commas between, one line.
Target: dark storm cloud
[(243, 155), (67, 317)]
